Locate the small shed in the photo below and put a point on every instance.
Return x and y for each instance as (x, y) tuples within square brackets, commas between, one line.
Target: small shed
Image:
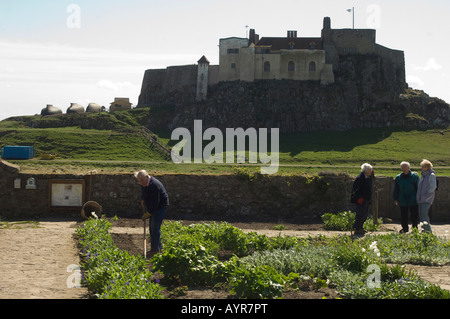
[(120, 104)]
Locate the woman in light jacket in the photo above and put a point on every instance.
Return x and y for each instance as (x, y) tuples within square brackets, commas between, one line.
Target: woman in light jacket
[(425, 193)]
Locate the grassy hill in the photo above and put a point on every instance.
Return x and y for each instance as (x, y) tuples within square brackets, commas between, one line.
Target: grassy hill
[(114, 142), (77, 144)]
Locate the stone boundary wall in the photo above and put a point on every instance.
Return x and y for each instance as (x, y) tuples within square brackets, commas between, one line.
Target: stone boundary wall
[(211, 197)]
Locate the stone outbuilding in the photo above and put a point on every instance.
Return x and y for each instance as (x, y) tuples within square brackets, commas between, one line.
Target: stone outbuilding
[(50, 110), (95, 108), (75, 108), (120, 104)]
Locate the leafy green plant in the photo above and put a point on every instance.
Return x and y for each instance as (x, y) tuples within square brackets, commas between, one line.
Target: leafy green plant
[(110, 272), (415, 248), (352, 258), (353, 285), (214, 237), (260, 282), (341, 221), (188, 264), (309, 260), (344, 221)]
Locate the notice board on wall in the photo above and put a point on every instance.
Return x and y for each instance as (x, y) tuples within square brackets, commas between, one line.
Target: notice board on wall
[(66, 193)]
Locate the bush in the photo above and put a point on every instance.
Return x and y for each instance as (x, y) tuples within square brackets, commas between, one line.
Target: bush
[(344, 221)]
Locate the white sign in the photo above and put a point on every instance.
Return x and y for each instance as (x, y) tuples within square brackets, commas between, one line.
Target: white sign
[(67, 195)]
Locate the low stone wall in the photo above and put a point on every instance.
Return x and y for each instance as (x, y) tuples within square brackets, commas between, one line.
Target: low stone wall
[(217, 197)]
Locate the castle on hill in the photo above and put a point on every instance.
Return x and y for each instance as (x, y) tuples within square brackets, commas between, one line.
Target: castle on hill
[(274, 58)]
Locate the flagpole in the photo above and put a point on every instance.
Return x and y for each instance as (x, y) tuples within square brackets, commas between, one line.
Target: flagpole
[(353, 11)]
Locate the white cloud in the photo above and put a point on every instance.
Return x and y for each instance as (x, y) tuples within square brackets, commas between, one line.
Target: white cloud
[(114, 86), (430, 65)]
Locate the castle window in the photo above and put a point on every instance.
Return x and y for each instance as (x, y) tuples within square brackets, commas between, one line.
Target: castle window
[(312, 66), (233, 65), (266, 66), (233, 51), (291, 45), (312, 46), (291, 66)]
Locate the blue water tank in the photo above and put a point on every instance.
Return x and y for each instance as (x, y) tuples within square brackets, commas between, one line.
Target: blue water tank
[(17, 152)]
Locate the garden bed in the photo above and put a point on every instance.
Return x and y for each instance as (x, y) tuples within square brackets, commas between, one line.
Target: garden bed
[(133, 244), (218, 260)]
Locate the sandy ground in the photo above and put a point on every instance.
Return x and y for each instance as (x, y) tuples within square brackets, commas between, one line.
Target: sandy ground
[(35, 259), (34, 262)]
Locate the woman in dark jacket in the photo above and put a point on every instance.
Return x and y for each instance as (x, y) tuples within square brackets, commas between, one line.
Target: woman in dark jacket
[(362, 195)]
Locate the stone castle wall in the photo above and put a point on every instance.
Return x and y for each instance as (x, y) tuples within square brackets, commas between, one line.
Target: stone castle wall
[(226, 197)]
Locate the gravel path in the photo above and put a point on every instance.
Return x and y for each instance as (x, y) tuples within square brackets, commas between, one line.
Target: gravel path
[(35, 261)]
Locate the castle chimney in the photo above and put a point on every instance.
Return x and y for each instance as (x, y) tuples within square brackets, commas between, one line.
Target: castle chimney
[(292, 34), (253, 37), (327, 23)]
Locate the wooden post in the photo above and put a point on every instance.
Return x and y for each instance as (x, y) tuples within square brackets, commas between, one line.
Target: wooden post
[(374, 200), (375, 207)]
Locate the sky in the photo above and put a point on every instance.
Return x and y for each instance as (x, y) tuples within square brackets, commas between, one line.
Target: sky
[(81, 51)]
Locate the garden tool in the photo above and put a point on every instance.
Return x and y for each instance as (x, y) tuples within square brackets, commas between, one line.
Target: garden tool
[(145, 241), (145, 216)]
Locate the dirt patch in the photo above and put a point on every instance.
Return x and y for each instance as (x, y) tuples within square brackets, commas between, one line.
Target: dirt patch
[(137, 223)]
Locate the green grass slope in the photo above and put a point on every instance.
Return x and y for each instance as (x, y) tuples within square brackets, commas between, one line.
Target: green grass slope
[(119, 144)]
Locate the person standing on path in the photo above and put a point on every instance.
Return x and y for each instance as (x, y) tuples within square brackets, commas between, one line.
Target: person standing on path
[(426, 193), (405, 191), (362, 197), (155, 200)]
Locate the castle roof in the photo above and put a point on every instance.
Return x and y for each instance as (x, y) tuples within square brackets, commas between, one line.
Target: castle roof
[(284, 43), (203, 59)]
